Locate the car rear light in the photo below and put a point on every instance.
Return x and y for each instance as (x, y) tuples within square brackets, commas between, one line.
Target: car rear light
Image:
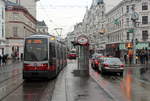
[(122, 65), (106, 65), (96, 62)]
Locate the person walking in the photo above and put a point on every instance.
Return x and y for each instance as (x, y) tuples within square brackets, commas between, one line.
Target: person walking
[(142, 58), (0, 60), (130, 55), (4, 59), (21, 56), (125, 58), (146, 56)]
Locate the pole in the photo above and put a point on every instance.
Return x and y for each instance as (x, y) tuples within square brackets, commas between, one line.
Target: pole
[(134, 18), (134, 44)]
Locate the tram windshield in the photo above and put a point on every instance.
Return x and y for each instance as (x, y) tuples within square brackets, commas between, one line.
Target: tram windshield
[(36, 49)]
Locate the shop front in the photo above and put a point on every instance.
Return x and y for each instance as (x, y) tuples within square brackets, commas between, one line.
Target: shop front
[(14, 48), (125, 47)]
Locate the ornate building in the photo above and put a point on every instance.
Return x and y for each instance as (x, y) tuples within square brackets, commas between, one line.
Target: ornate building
[(19, 24), (42, 27), (30, 5), (2, 27), (112, 32)]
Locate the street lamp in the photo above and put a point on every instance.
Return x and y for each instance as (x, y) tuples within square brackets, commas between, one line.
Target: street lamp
[(134, 18)]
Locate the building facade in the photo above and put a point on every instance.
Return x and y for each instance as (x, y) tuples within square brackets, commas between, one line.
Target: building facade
[(93, 25), (19, 24), (120, 27), (70, 38), (30, 5), (42, 27), (2, 27), (112, 32)]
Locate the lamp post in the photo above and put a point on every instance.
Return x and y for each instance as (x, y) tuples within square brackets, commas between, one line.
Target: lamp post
[(134, 18)]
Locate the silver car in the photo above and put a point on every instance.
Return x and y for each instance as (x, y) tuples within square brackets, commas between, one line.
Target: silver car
[(111, 64)]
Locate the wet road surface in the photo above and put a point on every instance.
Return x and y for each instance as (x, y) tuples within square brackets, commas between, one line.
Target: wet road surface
[(130, 87), (134, 85), (13, 88)]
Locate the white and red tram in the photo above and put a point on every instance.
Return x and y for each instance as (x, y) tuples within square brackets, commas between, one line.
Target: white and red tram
[(44, 57)]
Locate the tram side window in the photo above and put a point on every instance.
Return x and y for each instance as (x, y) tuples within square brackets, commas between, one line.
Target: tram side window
[(52, 52)]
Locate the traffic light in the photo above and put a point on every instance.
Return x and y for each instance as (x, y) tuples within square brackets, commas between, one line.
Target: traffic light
[(129, 45)]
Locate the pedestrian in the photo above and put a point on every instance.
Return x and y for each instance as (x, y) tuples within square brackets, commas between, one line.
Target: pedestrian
[(0, 60), (4, 59), (130, 59), (142, 57), (17, 55), (130, 55), (136, 58), (21, 56), (125, 58), (146, 56)]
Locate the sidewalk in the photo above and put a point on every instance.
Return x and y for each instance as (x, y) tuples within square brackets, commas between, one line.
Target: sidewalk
[(10, 61), (70, 87), (5, 67), (138, 65)]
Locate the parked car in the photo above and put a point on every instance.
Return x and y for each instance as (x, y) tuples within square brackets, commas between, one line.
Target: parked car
[(95, 60), (72, 56), (111, 64)]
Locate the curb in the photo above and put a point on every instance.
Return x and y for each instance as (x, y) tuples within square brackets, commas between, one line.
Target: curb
[(105, 90)]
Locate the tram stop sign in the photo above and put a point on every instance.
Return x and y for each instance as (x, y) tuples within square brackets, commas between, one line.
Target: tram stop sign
[(83, 40)]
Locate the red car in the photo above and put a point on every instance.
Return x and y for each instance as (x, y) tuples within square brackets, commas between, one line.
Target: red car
[(72, 56), (95, 60)]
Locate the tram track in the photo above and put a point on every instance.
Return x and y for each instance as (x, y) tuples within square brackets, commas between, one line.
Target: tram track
[(8, 87), (41, 92)]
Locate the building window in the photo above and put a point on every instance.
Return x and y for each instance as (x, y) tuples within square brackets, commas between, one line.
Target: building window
[(133, 7), (127, 7), (145, 6), (144, 19), (15, 16), (128, 37), (2, 13), (145, 35), (2, 29), (127, 21), (15, 31), (18, 1)]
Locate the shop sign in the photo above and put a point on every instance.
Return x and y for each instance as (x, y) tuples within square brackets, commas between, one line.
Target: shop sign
[(131, 30), (142, 45)]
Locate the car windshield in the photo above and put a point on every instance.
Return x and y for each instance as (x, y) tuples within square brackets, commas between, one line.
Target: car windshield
[(112, 61)]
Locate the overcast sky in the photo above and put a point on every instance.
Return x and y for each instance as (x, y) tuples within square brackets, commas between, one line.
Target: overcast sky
[(65, 13)]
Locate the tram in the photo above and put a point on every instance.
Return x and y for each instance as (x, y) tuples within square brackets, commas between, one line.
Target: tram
[(44, 57)]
